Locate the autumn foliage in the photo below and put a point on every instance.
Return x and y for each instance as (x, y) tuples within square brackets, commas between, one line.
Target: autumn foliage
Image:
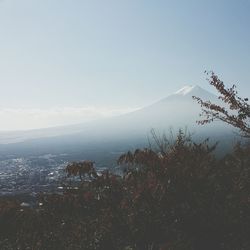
[(171, 196), (183, 198), (235, 112)]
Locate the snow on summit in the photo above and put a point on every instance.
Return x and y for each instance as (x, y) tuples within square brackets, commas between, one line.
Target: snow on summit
[(194, 90), (187, 89)]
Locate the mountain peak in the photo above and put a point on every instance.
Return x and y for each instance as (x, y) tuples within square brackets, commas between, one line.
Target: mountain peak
[(186, 93), (188, 89)]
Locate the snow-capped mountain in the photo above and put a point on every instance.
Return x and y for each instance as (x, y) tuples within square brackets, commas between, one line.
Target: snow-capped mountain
[(177, 110)]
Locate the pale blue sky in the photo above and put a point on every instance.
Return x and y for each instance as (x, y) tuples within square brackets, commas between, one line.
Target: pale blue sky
[(117, 53)]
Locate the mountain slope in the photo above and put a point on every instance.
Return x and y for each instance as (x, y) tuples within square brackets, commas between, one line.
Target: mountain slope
[(178, 110)]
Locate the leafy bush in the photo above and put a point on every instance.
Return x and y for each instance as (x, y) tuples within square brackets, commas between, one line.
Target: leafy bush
[(180, 198)]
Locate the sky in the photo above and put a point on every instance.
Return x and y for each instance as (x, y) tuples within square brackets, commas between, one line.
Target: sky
[(65, 62)]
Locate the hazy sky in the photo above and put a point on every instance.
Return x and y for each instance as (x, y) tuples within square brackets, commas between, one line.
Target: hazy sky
[(66, 61)]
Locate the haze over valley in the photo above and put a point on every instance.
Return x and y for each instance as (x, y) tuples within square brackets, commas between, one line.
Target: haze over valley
[(32, 161)]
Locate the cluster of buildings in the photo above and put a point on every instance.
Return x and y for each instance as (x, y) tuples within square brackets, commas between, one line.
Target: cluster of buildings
[(31, 175)]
